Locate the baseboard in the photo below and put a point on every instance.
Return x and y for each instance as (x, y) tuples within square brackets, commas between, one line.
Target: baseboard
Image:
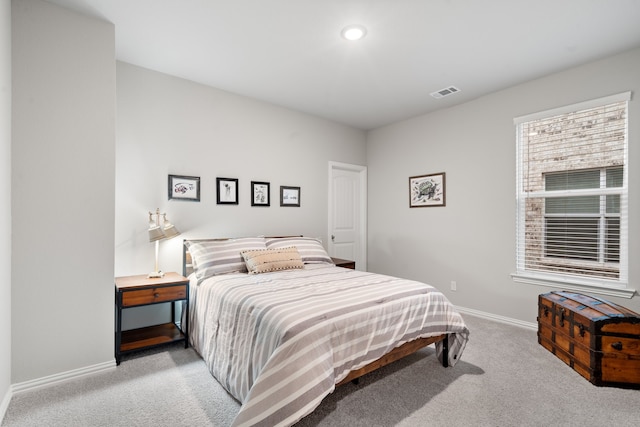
[(4, 405), (61, 377), (498, 318)]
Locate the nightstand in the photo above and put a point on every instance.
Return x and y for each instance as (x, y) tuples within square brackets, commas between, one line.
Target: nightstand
[(137, 291), (339, 262)]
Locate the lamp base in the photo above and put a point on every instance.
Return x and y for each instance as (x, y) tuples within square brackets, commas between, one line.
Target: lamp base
[(155, 275)]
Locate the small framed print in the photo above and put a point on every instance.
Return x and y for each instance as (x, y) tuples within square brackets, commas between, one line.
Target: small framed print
[(289, 196), (226, 191), (184, 188), (259, 193), (427, 190)]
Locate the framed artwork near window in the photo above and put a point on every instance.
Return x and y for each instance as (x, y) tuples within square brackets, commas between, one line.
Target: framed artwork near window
[(226, 191), (184, 188), (427, 190), (289, 196), (259, 193)]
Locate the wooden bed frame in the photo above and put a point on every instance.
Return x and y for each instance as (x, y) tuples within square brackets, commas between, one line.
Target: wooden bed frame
[(396, 354)]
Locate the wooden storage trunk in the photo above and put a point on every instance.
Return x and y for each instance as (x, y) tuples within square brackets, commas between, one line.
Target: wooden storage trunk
[(600, 340)]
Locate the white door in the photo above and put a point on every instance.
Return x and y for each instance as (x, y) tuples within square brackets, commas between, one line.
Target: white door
[(348, 213)]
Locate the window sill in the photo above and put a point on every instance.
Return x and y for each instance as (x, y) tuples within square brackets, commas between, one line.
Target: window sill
[(619, 291)]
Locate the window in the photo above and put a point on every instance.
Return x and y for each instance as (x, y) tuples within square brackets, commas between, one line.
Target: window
[(572, 197), (583, 227)]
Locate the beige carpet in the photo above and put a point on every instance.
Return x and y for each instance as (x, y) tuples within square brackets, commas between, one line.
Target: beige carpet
[(503, 379)]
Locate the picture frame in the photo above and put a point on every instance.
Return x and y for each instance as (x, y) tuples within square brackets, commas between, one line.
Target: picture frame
[(427, 190), (260, 193), (289, 196), (185, 188), (227, 191)]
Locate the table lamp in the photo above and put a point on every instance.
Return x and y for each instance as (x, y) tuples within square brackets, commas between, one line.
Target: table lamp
[(160, 228)]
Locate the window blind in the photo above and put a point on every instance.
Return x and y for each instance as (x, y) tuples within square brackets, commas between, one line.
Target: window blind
[(572, 192)]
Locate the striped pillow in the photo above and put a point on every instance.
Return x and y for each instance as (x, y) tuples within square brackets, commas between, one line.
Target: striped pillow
[(216, 257), (310, 249), (268, 260)]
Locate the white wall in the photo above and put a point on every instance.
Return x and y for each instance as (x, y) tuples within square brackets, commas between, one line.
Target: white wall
[(472, 239), (5, 203), (167, 125), (63, 171)]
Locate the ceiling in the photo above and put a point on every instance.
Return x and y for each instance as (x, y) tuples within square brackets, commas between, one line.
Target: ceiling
[(290, 52)]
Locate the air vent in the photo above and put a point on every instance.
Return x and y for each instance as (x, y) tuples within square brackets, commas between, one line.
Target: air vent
[(445, 92)]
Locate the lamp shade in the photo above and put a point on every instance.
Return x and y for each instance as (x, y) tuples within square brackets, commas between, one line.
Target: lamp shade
[(155, 233), (170, 230)]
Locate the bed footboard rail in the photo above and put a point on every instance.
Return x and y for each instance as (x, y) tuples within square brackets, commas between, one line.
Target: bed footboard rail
[(398, 353)]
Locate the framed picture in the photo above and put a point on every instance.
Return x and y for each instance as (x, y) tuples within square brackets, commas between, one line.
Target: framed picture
[(427, 190), (259, 193), (289, 196), (227, 191), (184, 188)]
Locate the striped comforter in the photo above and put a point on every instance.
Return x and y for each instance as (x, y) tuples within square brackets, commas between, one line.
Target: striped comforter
[(279, 342)]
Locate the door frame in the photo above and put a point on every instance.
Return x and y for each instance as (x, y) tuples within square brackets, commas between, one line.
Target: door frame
[(362, 232)]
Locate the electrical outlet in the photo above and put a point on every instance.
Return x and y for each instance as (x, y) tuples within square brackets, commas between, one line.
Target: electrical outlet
[(453, 285)]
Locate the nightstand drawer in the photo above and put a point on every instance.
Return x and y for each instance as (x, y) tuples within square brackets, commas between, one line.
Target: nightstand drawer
[(153, 295)]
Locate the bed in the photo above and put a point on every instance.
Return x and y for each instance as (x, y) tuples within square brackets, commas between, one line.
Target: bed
[(280, 326)]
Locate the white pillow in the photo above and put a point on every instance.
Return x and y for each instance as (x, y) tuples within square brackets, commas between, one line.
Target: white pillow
[(221, 256), (310, 249)]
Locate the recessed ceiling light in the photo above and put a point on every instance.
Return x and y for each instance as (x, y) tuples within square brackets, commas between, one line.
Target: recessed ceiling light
[(353, 32)]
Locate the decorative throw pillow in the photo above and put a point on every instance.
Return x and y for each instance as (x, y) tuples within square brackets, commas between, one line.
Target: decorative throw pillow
[(310, 249), (221, 256), (267, 260)]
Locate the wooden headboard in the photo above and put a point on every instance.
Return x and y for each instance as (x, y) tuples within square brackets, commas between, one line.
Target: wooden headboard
[(187, 262)]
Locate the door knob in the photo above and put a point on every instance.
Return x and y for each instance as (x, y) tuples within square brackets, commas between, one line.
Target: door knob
[(333, 238)]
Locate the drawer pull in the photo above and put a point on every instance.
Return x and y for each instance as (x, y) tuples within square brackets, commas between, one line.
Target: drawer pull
[(617, 345), (156, 295)]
